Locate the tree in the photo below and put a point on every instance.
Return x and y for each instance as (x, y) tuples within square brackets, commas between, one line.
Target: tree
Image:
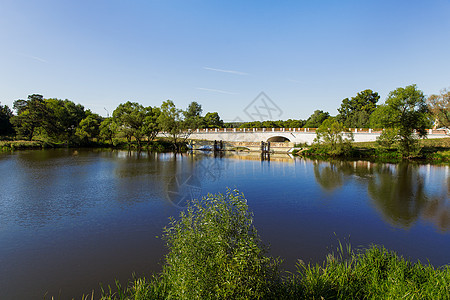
[(331, 135), (192, 116), (388, 138), (108, 130), (356, 112), (30, 115), (6, 128), (316, 119), (129, 118), (64, 116), (212, 120), (172, 123), (405, 109), (89, 127), (150, 127), (439, 105)]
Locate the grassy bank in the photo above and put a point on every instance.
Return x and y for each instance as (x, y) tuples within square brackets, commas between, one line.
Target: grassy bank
[(431, 150), (215, 253), (22, 145), (160, 145)]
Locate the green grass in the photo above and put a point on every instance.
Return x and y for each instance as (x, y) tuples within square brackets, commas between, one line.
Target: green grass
[(215, 253), (432, 151), (21, 145)]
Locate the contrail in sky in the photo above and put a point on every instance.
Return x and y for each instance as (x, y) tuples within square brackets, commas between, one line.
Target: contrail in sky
[(225, 71), (34, 57), (217, 91)]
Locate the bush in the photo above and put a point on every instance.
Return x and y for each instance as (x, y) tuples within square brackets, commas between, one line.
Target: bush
[(330, 139), (216, 253)]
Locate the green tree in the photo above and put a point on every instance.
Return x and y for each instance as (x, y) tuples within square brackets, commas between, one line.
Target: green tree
[(172, 124), (405, 110), (356, 112), (212, 120), (6, 128), (108, 130), (150, 127), (129, 118), (316, 119), (439, 106), (388, 138), (331, 136), (30, 115), (294, 123), (192, 116), (64, 116), (89, 127)]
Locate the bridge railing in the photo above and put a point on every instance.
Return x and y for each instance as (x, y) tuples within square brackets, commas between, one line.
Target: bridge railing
[(299, 130)]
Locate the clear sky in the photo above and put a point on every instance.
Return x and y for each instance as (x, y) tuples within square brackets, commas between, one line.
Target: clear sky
[(305, 55)]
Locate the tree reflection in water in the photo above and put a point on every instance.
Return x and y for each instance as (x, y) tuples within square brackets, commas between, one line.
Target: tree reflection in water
[(329, 175), (400, 194), (398, 191)]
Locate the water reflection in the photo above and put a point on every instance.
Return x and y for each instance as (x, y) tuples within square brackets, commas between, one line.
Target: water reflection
[(398, 192), (329, 176)]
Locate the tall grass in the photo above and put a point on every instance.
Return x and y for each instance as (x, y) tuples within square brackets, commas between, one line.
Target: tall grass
[(216, 253)]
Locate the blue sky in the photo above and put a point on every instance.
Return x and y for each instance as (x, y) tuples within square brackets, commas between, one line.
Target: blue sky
[(305, 55)]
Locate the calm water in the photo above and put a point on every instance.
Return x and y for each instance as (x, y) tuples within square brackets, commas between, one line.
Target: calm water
[(70, 219)]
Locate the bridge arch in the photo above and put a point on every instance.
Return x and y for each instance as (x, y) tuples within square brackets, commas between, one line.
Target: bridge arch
[(278, 139)]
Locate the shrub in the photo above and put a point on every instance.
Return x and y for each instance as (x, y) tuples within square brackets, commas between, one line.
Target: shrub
[(330, 138), (216, 253)]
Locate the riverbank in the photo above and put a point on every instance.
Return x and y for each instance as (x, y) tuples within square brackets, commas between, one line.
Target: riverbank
[(216, 253), (432, 151), (159, 145)]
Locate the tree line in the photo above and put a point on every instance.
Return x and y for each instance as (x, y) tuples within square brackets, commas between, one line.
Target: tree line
[(405, 116), (404, 111), (358, 111), (63, 121)]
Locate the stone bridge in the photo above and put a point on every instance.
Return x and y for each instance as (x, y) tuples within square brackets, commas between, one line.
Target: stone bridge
[(293, 135)]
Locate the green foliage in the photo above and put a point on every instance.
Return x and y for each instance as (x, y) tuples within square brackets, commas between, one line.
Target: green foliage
[(52, 119), (172, 123), (405, 110), (316, 119), (388, 138), (372, 274), (216, 253), (6, 128), (31, 114), (439, 105), (89, 127), (212, 120), (192, 116), (355, 113), (330, 138), (290, 123), (150, 127), (129, 118), (107, 130), (63, 118)]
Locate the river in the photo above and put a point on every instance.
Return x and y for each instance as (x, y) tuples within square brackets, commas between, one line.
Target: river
[(72, 218)]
